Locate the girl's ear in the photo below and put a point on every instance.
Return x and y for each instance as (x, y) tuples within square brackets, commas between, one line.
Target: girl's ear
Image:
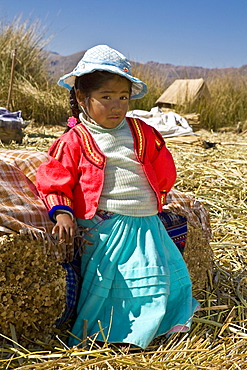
[(81, 98)]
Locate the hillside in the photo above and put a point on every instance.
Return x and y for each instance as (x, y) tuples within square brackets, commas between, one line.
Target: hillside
[(59, 65)]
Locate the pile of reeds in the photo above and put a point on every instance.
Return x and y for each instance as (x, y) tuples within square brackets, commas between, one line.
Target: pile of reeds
[(32, 290), (217, 340)]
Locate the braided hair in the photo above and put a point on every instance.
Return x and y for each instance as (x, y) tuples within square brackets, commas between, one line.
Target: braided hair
[(74, 106)]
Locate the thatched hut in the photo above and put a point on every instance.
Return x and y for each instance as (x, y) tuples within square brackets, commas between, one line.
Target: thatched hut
[(182, 92)]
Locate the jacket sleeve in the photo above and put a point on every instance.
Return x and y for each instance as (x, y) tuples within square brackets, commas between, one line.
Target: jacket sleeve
[(163, 165), (57, 178)]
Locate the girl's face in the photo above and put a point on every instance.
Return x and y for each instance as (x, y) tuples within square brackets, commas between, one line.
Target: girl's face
[(109, 104)]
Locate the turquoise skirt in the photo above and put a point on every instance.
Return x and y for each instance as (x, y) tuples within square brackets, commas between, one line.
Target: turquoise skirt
[(135, 283)]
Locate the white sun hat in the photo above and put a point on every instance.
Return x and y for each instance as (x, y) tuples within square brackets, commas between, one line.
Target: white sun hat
[(104, 58)]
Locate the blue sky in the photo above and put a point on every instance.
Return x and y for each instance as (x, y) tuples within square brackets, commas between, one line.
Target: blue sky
[(203, 33)]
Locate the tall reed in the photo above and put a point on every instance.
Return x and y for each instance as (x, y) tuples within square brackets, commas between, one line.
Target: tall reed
[(32, 91), (228, 103), (155, 82)]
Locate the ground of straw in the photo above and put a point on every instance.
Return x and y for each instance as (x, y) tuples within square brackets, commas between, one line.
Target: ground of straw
[(218, 337)]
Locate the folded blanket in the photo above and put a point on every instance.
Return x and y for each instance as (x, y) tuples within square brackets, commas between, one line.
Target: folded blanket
[(21, 209)]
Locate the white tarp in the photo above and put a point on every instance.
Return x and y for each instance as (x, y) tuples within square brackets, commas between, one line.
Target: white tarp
[(168, 124)]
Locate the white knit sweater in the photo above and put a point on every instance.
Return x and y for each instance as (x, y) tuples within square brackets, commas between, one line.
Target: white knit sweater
[(126, 189)]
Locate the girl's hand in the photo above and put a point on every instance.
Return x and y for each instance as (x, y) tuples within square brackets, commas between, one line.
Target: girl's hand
[(65, 231)]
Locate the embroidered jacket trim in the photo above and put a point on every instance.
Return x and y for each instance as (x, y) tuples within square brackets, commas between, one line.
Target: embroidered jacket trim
[(140, 139), (53, 199), (90, 150)]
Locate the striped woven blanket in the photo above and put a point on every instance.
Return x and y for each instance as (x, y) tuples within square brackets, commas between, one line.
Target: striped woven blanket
[(21, 209)]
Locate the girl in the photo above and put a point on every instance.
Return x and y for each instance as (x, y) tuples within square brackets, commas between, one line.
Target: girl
[(112, 174)]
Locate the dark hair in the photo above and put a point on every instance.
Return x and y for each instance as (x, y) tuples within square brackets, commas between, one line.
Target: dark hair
[(93, 81), (87, 84)]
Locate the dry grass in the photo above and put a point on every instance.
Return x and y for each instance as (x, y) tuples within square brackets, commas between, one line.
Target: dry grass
[(32, 91), (217, 340), (227, 106), (155, 83)]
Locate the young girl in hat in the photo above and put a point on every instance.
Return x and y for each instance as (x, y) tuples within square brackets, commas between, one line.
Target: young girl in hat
[(111, 174)]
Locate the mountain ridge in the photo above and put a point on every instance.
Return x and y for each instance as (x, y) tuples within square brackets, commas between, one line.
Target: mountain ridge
[(58, 65)]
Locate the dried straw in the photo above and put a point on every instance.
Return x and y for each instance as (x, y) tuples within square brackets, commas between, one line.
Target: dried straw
[(217, 340), (32, 290), (198, 256)]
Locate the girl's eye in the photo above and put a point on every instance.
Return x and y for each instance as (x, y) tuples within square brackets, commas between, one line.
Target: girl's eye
[(124, 98), (105, 97)]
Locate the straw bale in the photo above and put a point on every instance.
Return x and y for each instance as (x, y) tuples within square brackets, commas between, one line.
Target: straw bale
[(198, 256), (32, 289)]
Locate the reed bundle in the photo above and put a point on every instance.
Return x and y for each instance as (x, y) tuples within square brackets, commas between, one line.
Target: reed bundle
[(32, 290)]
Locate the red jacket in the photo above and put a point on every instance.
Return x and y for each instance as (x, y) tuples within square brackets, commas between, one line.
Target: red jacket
[(73, 177)]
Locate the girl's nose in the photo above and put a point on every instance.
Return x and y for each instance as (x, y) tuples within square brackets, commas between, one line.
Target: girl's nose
[(116, 105)]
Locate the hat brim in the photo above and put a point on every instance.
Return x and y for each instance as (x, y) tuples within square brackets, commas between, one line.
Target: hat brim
[(138, 90)]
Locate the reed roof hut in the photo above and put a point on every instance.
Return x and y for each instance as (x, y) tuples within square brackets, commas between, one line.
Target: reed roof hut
[(183, 91)]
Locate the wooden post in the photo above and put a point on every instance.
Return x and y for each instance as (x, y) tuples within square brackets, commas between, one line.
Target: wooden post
[(84, 332), (11, 77)]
